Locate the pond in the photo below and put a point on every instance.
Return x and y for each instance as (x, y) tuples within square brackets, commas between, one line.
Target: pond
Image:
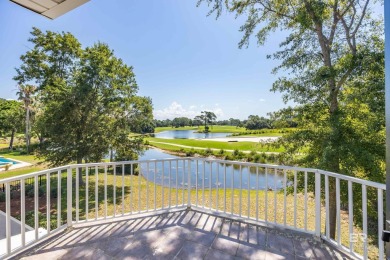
[(207, 174), (188, 134)]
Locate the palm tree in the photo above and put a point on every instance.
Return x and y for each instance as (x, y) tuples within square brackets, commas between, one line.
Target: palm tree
[(25, 94), (208, 117)]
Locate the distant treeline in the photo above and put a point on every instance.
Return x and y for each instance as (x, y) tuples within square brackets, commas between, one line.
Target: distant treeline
[(280, 119)]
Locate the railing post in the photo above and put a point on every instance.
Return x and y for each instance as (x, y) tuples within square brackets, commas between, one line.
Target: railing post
[(69, 197), (318, 204), (8, 217), (189, 184)]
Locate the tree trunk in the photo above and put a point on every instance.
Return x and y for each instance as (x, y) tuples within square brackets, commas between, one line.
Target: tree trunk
[(11, 143), (41, 139), (80, 169), (332, 159), (27, 129)]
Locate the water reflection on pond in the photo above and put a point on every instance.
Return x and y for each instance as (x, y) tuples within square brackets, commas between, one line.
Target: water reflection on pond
[(207, 174), (188, 134)]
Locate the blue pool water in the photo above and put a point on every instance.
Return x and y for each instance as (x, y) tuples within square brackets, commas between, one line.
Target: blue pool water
[(6, 161)]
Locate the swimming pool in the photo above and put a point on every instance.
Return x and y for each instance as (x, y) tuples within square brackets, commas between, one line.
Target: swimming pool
[(6, 161)]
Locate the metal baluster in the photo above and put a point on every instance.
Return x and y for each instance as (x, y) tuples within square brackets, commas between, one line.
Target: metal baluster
[(295, 198), (105, 191), (170, 176), (86, 193), (114, 189), (48, 191), (350, 214), (96, 192), (216, 196), (380, 223), (305, 203), (326, 207), (147, 186), (8, 217), (162, 185), (224, 187), (58, 200), (139, 189), (177, 186), (123, 191), (240, 190), (155, 186), (36, 197), (364, 205), (284, 197), (249, 192), (77, 194), (210, 176), (196, 181), (338, 220), (23, 212), (275, 198), (266, 195), (203, 184), (257, 193)]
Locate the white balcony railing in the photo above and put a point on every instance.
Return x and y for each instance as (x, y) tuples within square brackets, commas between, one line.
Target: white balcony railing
[(41, 204)]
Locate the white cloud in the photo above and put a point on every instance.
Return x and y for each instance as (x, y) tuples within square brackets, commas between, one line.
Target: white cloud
[(261, 99), (177, 110)]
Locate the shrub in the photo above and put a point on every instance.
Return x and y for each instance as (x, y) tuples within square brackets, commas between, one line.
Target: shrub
[(29, 191), (53, 192), (221, 152), (208, 151), (257, 158), (190, 152), (228, 157)]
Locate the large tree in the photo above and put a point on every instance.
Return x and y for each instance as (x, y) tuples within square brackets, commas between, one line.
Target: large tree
[(207, 117), (11, 118), (256, 122), (88, 98), (328, 44)]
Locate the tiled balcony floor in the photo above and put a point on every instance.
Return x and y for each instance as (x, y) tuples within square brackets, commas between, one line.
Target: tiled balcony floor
[(180, 235)]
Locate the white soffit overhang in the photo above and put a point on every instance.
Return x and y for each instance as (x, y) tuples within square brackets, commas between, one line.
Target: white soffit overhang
[(50, 8)]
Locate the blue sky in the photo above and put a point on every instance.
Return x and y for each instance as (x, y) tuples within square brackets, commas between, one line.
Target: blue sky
[(185, 61)]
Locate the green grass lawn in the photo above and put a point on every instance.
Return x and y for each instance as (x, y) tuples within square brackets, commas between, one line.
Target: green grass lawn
[(267, 134), (243, 146), (37, 164)]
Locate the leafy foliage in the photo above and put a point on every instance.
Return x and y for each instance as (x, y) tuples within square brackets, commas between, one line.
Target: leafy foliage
[(330, 57), (87, 97)]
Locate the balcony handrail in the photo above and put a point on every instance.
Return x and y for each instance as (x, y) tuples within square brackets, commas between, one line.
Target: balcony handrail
[(248, 164), (187, 169)]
